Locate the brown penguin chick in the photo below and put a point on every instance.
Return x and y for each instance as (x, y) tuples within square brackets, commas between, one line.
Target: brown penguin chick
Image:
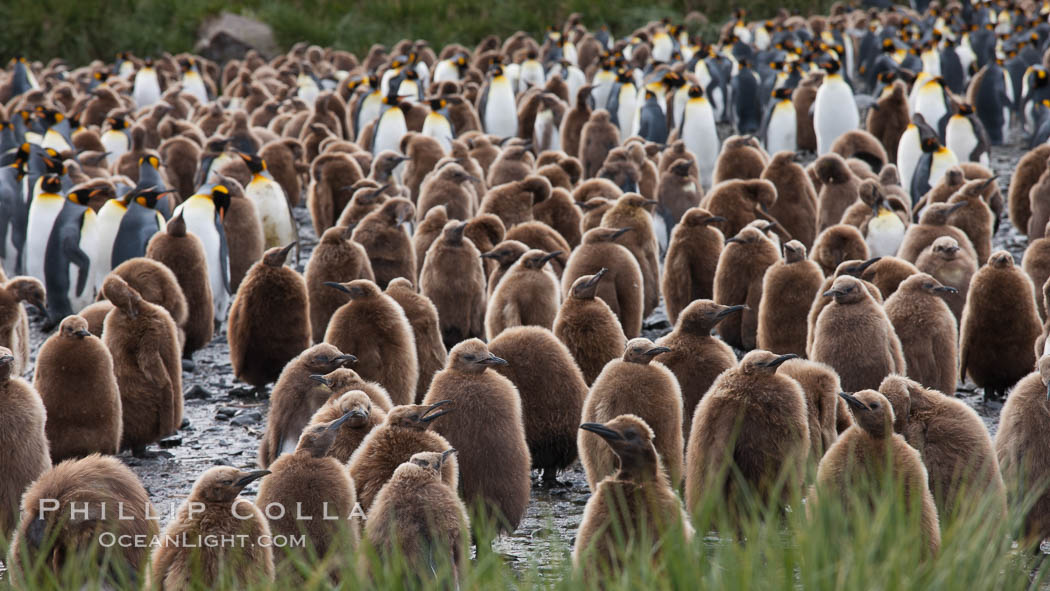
[(803, 97), (406, 431), (889, 118), (948, 263), (330, 176), (634, 504), (418, 518), (461, 303), (691, 260), (283, 159), (540, 236), (512, 201), (571, 130), (954, 443), (215, 509), (697, 358), (1039, 198), (514, 162), (795, 207), (488, 431), (423, 153), (826, 411), (180, 156), (932, 225), (318, 485), (738, 281), (143, 340), (927, 330), (836, 244), (244, 233), (374, 325), (183, 253), (622, 289), (426, 232), (25, 454), (387, 241), (383, 165), (839, 189), (95, 314), (14, 323), (679, 190), (367, 198), (852, 268), (631, 211), (362, 416), (451, 187), (739, 202), (873, 203), (561, 213), (58, 525), (588, 327), (952, 180), (504, 254), (343, 380), (295, 397), (863, 146), (788, 290), (974, 218), (526, 295), (999, 326), (858, 463), (592, 211), (1036, 264), (598, 137), (552, 391), (269, 319), (634, 384), (486, 230), (1024, 176), (740, 158), (855, 337), (757, 418), (1020, 444), (337, 259), (887, 273), (156, 284), (73, 364), (423, 317)]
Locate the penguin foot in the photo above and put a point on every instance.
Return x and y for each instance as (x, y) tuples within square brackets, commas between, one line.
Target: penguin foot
[(188, 365), (550, 480)]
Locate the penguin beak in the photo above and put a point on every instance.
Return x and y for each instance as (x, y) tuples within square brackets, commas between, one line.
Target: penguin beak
[(713, 220), (549, 256), (596, 277), (251, 477), (321, 380), (621, 232), (338, 286), (864, 266), (832, 293), (334, 425), (1048, 391), (777, 362), (957, 207), (490, 255), (429, 415), (657, 350), (342, 360), (852, 401), (445, 454), (287, 249), (945, 289), (82, 333), (493, 360), (734, 239), (602, 431), (729, 310)]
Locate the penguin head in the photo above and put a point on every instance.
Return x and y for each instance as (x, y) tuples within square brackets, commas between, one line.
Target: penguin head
[(437, 104), (416, 417), (699, 217), (696, 91), (220, 196), (783, 93), (7, 362), (254, 162), (700, 317), (946, 248), (506, 253), (452, 234), (747, 235), (74, 327), (431, 461), (871, 411), (922, 282), (794, 251), (937, 214), (965, 109), (642, 351), (759, 362), (1041, 77), (278, 255), (586, 286), (1001, 260), (317, 438), (358, 289), (356, 407), (631, 439), (323, 358), (51, 183), (536, 259), (222, 484), (832, 66), (472, 356), (847, 290)]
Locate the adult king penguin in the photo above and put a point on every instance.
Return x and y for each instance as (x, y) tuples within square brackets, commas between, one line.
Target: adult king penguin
[(271, 203), (496, 107), (203, 213), (834, 110)]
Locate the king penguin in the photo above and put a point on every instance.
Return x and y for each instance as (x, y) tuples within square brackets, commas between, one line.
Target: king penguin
[(192, 82), (834, 109), (391, 126), (116, 139), (623, 98), (72, 237), (203, 213), (437, 124), (496, 107), (138, 223), (271, 203), (965, 136), (699, 133), (146, 89), (43, 211), (780, 129)]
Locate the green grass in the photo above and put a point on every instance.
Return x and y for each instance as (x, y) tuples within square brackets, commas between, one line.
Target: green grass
[(83, 30)]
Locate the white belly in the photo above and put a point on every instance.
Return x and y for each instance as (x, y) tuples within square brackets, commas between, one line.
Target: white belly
[(545, 133), (109, 217), (884, 235), (389, 132), (194, 85), (931, 107), (701, 139), (116, 144), (501, 117), (201, 222), (437, 127), (959, 138), (940, 165), (908, 153), (42, 216), (270, 202), (147, 91), (782, 131), (834, 113)]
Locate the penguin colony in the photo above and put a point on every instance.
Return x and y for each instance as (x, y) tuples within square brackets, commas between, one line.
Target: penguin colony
[(496, 226)]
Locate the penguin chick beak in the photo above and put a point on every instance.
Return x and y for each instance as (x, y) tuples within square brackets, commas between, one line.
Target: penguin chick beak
[(321, 380), (334, 425), (832, 293), (957, 207), (946, 289), (493, 360), (778, 361), (1048, 391), (730, 310), (250, 477), (864, 266), (715, 219), (596, 277), (338, 286), (81, 334), (602, 431), (343, 359), (549, 256), (429, 415), (621, 232), (734, 239), (490, 255), (445, 454), (657, 350), (852, 401), (287, 249)]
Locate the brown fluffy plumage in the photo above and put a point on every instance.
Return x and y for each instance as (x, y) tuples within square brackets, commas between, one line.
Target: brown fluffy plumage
[(738, 281), (460, 304), (183, 253), (622, 288), (927, 331), (24, 455), (588, 327), (337, 259), (788, 290)]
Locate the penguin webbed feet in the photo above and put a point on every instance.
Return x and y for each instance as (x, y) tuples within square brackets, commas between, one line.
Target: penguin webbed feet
[(549, 480)]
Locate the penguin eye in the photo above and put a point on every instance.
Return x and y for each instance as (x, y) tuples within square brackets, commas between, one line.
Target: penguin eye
[(630, 435), (469, 357), (227, 482), (927, 286)]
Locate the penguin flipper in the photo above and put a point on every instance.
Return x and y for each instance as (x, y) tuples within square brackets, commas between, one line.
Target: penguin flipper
[(71, 248), (483, 100), (224, 256)]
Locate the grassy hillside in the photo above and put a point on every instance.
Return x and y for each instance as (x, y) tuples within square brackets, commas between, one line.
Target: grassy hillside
[(82, 30)]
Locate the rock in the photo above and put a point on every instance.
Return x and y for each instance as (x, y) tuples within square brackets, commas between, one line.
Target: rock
[(246, 392), (248, 418), (169, 442), (185, 423), (230, 36), (225, 413), (196, 393)]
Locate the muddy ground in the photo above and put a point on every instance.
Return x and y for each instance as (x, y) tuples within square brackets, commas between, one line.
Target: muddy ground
[(224, 420)]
